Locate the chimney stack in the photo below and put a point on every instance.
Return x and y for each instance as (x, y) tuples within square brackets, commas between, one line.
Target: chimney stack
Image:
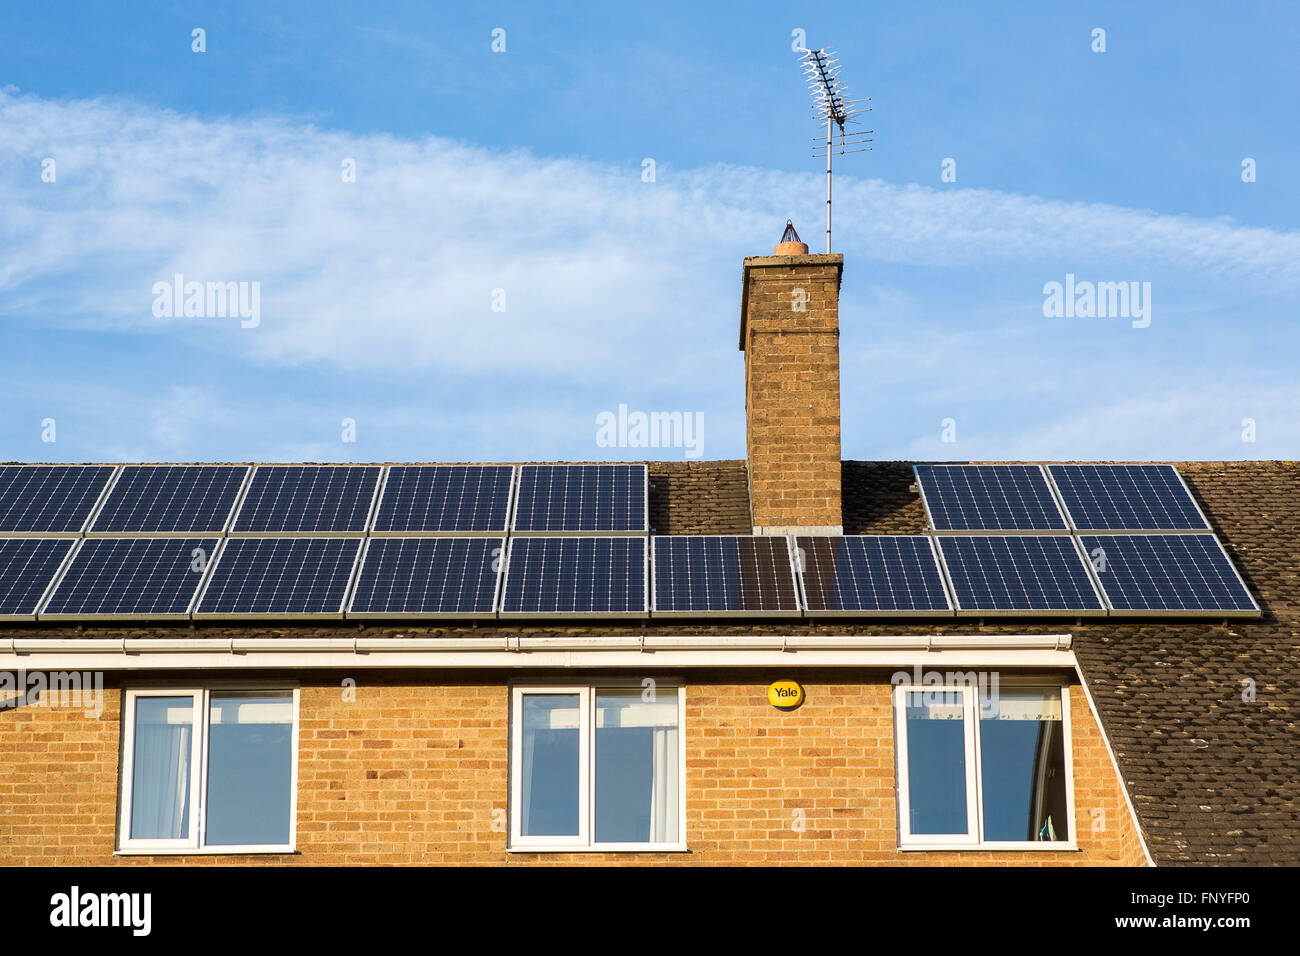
[(789, 332)]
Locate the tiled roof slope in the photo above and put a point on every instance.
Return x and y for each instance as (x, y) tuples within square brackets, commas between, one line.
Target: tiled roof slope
[(1215, 778)]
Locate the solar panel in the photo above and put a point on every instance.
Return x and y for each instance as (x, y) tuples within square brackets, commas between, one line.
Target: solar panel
[(280, 577), (1168, 574), (871, 574), (170, 499), (988, 498), (131, 578), (589, 576), (574, 499), (1127, 498), (445, 499), (50, 499), (1018, 574), (412, 577), (308, 499), (27, 566), (705, 575)]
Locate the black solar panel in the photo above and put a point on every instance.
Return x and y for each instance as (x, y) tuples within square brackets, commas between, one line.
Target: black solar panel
[(49, 499), (988, 498), (284, 577), (571, 499), (706, 575), (1127, 498), (27, 566), (852, 574), (587, 575), (161, 499), (1018, 574), (308, 499), (1167, 573), (452, 499), (131, 577), (402, 577)]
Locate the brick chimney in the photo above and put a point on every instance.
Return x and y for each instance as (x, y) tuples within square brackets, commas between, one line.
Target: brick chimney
[(790, 334)]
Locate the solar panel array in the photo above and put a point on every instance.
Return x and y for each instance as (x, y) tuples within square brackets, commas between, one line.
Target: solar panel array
[(706, 575), (871, 574), (481, 541), (575, 575), (170, 499), (445, 499), (1168, 573), (308, 499), (131, 577), (1018, 574), (280, 577), (50, 499), (988, 498), (418, 577), (581, 499), (1126, 498), (27, 567)]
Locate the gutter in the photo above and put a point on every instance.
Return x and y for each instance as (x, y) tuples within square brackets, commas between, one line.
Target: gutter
[(978, 650)]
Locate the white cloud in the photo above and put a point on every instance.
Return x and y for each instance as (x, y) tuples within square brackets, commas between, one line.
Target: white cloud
[(607, 279)]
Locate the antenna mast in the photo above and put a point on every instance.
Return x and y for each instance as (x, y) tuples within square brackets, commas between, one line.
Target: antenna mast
[(821, 69)]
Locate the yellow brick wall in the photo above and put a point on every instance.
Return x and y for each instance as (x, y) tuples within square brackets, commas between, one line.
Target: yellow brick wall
[(415, 769), (792, 395)]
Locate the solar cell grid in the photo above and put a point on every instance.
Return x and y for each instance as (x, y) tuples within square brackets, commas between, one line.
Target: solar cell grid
[(27, 566), (50, 499), (280, 577), (715, 574), (162, 499), (1167, 573), (569, 499), (871, 574), (454, 499), (131, 577), (1018, 574), (988, 498), (308, 499), (1127, 498), (428, 576), (575, 575)]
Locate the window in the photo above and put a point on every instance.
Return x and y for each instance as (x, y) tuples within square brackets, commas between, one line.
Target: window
[(981, 768), (210, 770), (598, 768)]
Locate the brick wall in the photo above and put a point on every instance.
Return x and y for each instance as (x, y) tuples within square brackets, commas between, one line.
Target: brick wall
[(414, 770), (792, 389)]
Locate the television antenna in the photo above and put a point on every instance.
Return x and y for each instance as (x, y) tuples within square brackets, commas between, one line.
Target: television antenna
[(822, 71)]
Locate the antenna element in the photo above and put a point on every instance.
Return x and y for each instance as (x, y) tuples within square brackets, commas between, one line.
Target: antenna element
[(822, 71)]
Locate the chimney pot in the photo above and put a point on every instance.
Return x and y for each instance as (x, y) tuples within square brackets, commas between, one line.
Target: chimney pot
[(790, 244)]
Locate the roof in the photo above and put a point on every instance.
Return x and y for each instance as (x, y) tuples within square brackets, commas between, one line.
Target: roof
[(1213, 772)]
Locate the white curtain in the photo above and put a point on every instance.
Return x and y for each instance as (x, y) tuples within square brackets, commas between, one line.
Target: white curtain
[(666, 785), (160, 784)]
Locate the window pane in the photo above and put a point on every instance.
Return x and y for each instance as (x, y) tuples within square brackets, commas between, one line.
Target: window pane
[(936, 763), (1022, 754), (250, 756), (549, 765), (637, 767), (160, 779)]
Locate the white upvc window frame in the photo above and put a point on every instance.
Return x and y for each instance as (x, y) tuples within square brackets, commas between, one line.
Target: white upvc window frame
[(974, 761), (583, 841), (194, 844)]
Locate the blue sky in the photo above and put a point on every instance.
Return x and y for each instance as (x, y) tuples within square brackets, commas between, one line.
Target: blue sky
[(522, 171)]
